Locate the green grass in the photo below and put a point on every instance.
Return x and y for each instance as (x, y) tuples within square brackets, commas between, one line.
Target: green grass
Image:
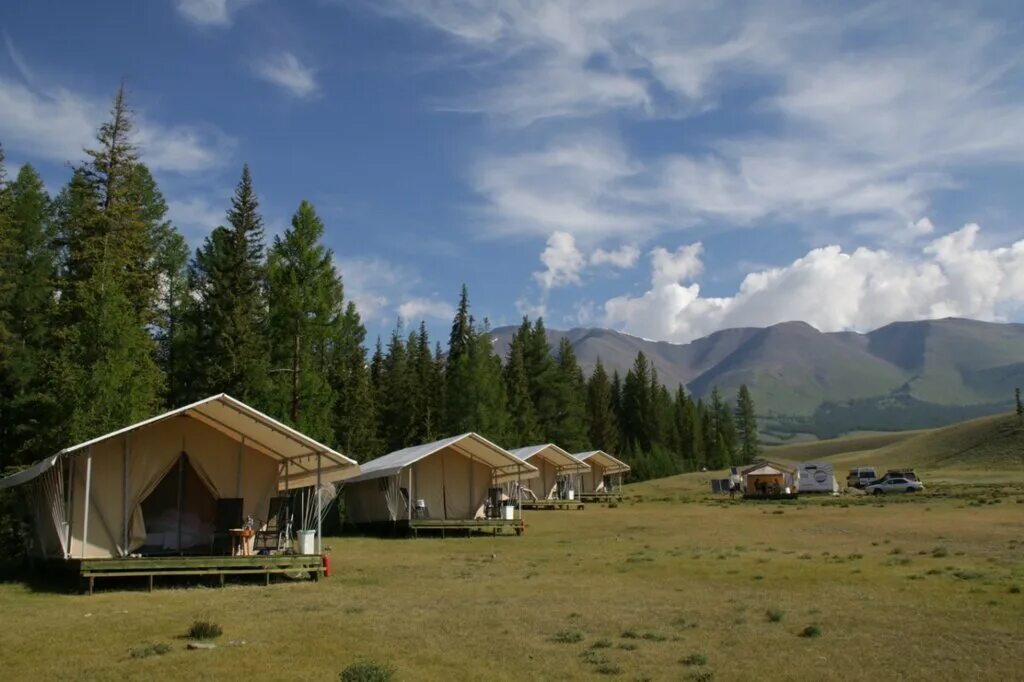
[(405, 602)]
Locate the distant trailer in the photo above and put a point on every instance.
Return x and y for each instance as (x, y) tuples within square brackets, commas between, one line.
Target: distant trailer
[(817, 477)]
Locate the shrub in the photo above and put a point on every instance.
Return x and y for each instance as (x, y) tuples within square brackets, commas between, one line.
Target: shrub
[(568, 636), (775, 615), (811, 631), (158, 649), (608, 669), (630, 634), (940, 552), (628, 646), (368, 671), (653, 637), (601, 644), (702, 675), (695, 659), (204, 629), (1014, 589)]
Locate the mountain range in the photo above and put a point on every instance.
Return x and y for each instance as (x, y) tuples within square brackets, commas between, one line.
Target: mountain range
[(901, 376)]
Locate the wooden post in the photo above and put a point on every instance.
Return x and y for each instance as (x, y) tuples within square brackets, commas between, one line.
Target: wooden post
[(124, 493), (88, 492), (319, 509)]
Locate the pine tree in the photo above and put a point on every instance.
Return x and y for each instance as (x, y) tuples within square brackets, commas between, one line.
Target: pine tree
[(426, 388), (602, 424), (227, 275), (490, 414), (542, 377), (396, 395), (174, 336), (636, 404), (27, 311), (108, 217), (746, 424), (306, 306)]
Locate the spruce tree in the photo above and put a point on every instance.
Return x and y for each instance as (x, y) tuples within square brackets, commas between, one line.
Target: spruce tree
[(746, 425), (569, 422), (175, 337), (602, 424), (305, 311), (396, 395), (636, 404), (27, 312), (523, 427), (228, 275), (426, 388), (355, 410)]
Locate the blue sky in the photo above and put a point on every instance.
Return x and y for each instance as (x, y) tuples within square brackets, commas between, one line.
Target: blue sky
[(661, 167)]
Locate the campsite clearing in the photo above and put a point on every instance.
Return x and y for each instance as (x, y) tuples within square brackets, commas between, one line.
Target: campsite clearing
[(669, 584)]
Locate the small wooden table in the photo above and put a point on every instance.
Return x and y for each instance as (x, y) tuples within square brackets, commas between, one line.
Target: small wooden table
[(241, 541)]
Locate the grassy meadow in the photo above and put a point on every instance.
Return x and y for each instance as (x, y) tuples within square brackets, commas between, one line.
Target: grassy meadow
[(672, 584)]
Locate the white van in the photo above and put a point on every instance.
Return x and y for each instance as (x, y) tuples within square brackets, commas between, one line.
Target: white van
[(860, 477)]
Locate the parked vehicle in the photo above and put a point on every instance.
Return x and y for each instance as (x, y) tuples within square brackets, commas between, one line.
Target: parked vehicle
[(860, 477), (894, 485), (899, 473)]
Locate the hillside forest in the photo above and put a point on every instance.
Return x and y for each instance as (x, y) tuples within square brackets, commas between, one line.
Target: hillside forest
[(106, 318)]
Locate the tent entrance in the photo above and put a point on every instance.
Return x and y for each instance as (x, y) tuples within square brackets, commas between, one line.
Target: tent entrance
[(180, 514)]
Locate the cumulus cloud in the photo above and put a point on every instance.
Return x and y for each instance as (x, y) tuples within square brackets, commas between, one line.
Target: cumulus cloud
[(562, 260), (831, 289), (422, 308), (57, 123), (625, 256), (210, 12), (286, 71)]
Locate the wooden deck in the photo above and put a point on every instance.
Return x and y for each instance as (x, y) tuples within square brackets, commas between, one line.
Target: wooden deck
[(467, 527), (600, 498), (553, 504), (151, 567)]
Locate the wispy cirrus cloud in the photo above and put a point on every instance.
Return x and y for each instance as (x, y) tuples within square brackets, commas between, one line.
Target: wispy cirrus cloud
[(287, 72)]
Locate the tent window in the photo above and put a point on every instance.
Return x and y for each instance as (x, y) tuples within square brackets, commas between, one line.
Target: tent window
[(180, 514)]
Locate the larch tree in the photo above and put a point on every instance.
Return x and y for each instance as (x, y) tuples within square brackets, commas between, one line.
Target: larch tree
[(306, 306)]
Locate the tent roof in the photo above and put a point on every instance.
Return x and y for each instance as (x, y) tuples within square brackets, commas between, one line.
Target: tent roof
[(470, 445), (766, 468), (241, 423), (562, 460), (610, 464)]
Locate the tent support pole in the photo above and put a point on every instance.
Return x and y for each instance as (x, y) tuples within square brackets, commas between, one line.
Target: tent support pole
[(124, 493), (68, 508), (85, 504), (410, 501), (319, 510), (238, 475)]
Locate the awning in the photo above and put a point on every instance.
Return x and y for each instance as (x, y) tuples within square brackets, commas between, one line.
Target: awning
[(507, 466)]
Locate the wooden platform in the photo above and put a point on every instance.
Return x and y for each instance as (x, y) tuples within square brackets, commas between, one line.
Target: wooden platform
[(221, 566), (553, 504), (467, 527), (600, 498)]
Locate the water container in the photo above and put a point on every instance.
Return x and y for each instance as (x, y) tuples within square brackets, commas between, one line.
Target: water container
[(510, 512), (307, 541), (570, 495)]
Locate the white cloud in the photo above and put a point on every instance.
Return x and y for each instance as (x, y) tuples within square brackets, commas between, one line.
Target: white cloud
[(562, 260), (57, 123), (625, 256), (210, 12), (286, 71), (416, 309), (17, 59), (196, 216), (831, 289)]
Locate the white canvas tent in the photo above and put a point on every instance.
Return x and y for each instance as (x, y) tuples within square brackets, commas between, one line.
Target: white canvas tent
[(605, 473), (452, 478), (89, 498), (558, 471)]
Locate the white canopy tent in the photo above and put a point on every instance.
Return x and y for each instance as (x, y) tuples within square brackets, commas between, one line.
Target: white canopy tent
[(452, 478), (89, 497), (605, 471), (558, 471)]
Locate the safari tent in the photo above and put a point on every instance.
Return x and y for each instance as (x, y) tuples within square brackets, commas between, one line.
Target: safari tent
[(455, 482), (558, 471), (769, 480), (605, 475), (162, 486)]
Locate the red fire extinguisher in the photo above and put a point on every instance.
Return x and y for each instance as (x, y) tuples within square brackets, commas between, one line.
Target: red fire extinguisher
[(327, 565)]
